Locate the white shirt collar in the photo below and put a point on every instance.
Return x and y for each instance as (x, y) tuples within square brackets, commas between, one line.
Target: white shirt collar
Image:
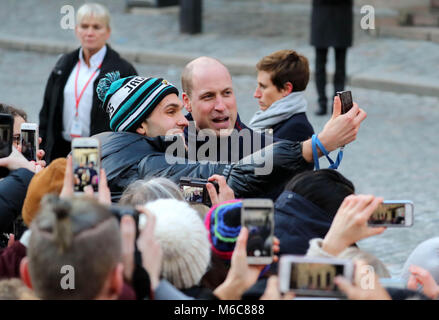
[(95, 59)]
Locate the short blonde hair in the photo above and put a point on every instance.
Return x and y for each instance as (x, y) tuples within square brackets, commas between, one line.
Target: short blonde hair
[(93, 9)]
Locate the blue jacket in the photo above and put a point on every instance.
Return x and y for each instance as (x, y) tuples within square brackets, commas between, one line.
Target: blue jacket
[(296, 221)]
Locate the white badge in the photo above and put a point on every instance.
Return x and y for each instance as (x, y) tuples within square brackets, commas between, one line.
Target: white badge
[(76, 129)]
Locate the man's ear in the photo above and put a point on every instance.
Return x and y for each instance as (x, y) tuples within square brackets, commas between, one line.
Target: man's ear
[(116, 282), (186, 102), (288, 88), (143, 129), (24, 272)]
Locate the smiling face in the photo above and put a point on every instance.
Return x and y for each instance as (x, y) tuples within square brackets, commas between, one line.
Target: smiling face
[(93, 33), (266, 92), (212, 101), (166, 118)]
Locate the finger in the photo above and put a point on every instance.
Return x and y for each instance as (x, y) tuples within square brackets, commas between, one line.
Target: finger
[(373, 231), (360, 116), (214, 177), (104, 190), (40, 154), (11, 239), (67, 189), (336, 107), (276, 240), (289, 296), (241, 243), (271, 290), (212, 193), (371, 207), (128, 231), (412, 283), (88, 191), (40, 140), (345, 286)]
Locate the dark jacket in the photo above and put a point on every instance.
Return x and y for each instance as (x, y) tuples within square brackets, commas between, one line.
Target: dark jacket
[(13, 189), (127, 157), (296, 128), (246, 148), (51, 118), (297, 221), (332, 23)]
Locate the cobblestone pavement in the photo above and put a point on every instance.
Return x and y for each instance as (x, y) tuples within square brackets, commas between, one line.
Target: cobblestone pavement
[(395, 156), (233, 29)]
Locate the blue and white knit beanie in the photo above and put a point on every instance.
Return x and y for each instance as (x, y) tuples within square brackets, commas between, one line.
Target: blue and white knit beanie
[(129, 101)]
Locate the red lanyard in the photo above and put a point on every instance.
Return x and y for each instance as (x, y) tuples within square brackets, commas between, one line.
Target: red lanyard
[(78, 99)]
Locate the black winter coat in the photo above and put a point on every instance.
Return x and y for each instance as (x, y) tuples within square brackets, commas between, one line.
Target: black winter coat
[(296, 128), (297, 221), (332, 23), (127, 157), (51, 113), (13, 189)]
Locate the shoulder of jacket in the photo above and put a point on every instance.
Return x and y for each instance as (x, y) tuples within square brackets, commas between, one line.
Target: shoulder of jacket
[(64, 60)]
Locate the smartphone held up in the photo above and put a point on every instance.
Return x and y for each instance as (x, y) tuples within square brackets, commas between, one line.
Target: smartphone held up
[(86, 163), (29, 140), (257, 215), (393, 213), (313, 276)]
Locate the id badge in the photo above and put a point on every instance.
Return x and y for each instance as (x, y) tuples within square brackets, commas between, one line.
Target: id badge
[(76, 129)]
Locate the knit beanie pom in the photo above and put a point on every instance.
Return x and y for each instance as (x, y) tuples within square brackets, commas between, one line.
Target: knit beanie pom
[(105, 83)]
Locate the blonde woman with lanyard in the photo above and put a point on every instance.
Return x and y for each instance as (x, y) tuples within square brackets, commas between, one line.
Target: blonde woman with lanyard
[(70, 107)]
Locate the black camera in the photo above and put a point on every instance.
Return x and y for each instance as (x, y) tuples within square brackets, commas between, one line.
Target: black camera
[(194, 190)]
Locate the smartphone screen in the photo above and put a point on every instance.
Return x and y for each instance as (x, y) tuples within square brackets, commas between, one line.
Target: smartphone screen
[(28, 144), (85, 168), (315, 279), (192, 193), (5, 140), (393, 215), (259, 222)]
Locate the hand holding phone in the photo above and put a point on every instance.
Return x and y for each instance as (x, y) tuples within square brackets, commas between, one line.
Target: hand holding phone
[(29, 141), (313, 276), (194, 190), (257, 215), (86, 163)]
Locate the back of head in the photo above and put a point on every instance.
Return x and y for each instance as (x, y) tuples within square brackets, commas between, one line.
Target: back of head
[(426, 256), (77, 236), (286, 66), (95, 10), (15, 112), (49, 180), (183, 238), (140, 192), (325, 188), (15, 289)]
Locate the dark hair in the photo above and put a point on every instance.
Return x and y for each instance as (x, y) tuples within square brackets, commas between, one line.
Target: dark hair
[(325, 188), (80, 233), (286, 66), (4, 108)]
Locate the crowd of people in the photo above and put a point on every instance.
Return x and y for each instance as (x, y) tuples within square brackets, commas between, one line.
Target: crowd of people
[(138, 237)]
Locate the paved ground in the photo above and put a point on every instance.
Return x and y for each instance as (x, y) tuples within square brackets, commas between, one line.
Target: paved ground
[(395, 155), (243, 30)]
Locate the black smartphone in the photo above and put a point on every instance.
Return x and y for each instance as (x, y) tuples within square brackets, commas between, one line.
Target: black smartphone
[(6, 133), (194, 190), (346, 101)]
